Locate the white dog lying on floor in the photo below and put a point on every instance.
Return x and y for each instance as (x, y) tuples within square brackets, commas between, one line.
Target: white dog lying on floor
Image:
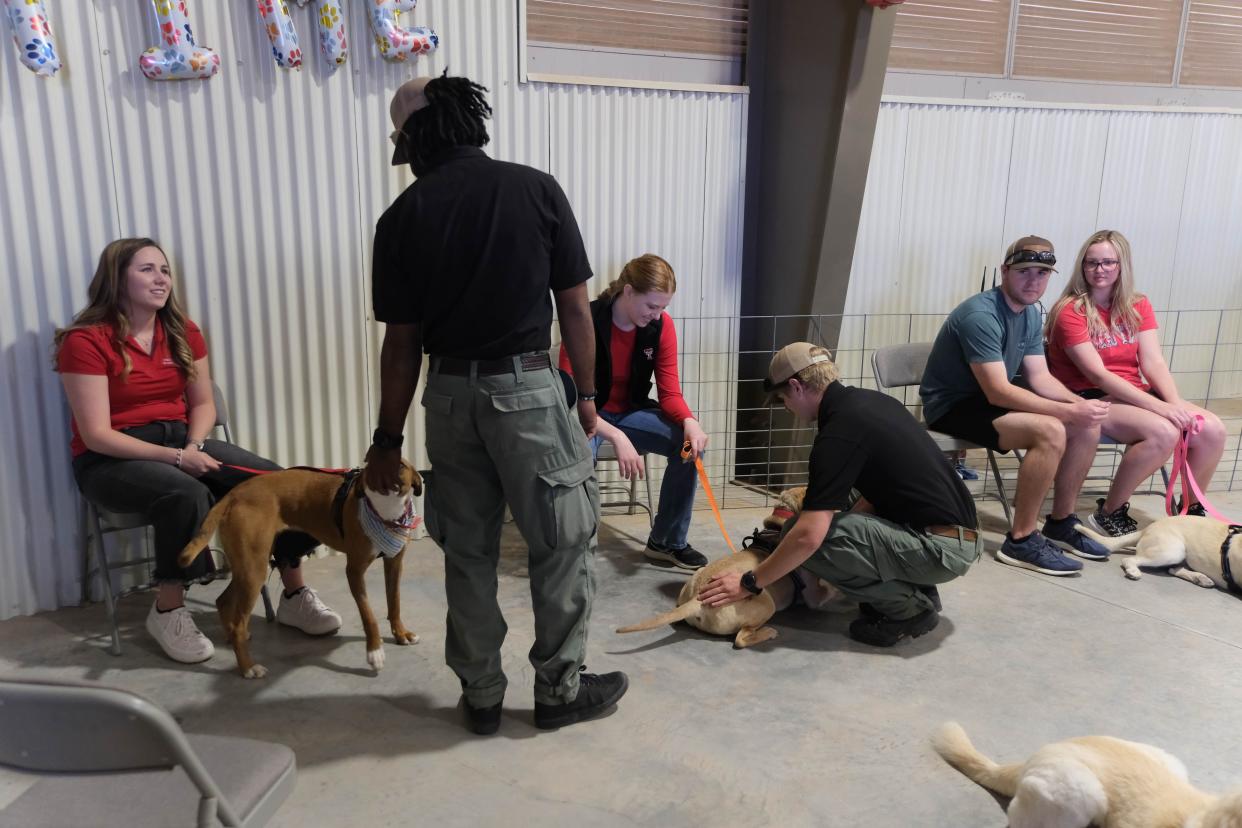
[(1190, 546), (1093, 780)]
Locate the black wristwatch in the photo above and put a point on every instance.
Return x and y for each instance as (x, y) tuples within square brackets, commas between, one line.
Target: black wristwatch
[(383, 440), (748, 582), (587, 397)]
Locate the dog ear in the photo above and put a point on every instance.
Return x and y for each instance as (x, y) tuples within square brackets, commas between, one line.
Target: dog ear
[(416, 482)]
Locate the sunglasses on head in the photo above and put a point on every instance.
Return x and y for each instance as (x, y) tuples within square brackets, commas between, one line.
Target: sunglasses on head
[(1046, 257)]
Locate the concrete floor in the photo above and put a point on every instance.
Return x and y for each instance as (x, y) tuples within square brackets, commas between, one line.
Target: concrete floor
[(810, 729)]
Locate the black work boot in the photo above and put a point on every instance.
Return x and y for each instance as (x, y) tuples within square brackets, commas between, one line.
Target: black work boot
[(882, 631), (483, 721), (596, 693)]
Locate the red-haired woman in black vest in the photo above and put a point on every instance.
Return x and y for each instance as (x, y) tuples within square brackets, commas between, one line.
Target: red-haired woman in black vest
[(636, 347)]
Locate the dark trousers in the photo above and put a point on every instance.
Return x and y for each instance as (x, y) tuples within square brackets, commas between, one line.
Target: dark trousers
[(174, 502)]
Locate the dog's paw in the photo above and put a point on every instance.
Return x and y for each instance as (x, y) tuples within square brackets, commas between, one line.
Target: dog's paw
[(404, 637), (255, 671), (376, 659), (1132, 572)]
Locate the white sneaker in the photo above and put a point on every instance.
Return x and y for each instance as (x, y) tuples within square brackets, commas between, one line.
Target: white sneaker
[(306, 612), (177, 636)]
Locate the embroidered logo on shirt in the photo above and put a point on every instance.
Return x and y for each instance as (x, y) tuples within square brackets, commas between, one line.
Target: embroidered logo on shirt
[(168, 361), (1111, 339), (649, 353)]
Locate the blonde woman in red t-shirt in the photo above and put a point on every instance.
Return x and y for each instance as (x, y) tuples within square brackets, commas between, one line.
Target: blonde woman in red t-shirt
[(135, 371), (636, 344), (1102, 343)]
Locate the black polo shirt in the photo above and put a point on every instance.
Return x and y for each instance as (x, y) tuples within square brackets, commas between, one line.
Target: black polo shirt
[(870, 442), (470, 251)]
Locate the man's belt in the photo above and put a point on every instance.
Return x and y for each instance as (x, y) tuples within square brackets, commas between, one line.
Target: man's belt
[(952, 532), (536, 361)]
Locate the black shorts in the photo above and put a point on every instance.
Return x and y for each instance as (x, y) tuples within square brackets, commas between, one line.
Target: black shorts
[(971, 419)]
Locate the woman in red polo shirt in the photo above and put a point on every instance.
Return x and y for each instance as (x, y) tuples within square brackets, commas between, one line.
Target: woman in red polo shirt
[(635, 342), (1102, 343), (135, 372)]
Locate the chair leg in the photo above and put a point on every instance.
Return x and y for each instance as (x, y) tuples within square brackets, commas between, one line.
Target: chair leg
[(633, 496), (267, 605), (1164, 473), (650, 501), (1000, 487), (96, 542)]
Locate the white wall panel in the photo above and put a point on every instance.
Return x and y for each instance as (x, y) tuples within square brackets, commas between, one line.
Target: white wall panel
[(264, 185)]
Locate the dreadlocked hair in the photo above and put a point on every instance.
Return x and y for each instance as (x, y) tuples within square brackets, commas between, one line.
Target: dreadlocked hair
[(453, 117)]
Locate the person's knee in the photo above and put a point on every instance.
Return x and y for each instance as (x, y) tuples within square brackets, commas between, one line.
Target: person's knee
[(1164, 436), (1213, 430), (1049, 432)]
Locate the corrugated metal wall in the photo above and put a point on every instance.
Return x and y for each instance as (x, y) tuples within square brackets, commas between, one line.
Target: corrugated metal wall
[(264, 185), (951, 185)]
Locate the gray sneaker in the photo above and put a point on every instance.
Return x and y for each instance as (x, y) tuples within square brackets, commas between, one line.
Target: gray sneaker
[(1038, 554)]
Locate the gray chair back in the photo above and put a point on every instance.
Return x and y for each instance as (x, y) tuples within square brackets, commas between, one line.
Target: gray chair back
[(222, 412), (93, 745), (896, 366)]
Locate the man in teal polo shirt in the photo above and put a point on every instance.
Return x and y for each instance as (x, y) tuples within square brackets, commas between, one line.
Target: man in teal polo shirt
[(969, 392)]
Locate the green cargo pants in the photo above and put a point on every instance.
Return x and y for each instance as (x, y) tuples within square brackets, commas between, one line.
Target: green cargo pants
[(511, 438), (874, 560)]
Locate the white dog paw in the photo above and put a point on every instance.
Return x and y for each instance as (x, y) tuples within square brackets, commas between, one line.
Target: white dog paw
[(255, 671), (1133, 574), (376, 659), (408, 638)]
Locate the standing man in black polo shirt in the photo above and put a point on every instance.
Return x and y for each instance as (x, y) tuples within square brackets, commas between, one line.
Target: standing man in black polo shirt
[(914, 526), (466, 262)]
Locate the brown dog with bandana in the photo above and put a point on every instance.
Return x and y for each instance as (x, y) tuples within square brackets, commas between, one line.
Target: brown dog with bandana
[(334, 508)]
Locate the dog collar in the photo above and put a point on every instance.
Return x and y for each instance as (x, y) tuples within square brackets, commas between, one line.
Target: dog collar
[(388, 537), (1225, 569)]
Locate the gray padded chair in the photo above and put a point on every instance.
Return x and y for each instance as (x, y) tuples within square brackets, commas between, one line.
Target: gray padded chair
[(101, 521), (629, 492), (900, 366), (108, 757)]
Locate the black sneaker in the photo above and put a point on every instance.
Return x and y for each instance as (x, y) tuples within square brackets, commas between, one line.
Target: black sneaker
[(596, 693), (687, 557), (1114, 524), (930, 591), (1195, 509), (482, 720), (881, 631)]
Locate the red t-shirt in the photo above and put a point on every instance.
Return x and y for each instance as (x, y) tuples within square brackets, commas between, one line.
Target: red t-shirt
[(1118, 351), (155, 388), (667, 383)]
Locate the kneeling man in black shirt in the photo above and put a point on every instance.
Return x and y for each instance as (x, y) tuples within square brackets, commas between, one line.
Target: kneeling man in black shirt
[(914, 526)]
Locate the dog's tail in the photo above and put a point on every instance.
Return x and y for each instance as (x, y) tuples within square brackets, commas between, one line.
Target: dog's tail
[(196, 544), (954, 746), (1110, 543), (671, 617)]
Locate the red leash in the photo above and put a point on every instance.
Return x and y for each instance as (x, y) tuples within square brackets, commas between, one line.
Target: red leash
[(1181, 466), (291, 468)]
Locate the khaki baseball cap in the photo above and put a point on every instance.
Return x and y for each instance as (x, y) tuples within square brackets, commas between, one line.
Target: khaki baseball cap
[(408, 99), (1040, 253), (788, 361)]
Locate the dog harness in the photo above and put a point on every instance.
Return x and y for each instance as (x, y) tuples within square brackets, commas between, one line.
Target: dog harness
[(388, 537), (342, 494), (1224, 560)]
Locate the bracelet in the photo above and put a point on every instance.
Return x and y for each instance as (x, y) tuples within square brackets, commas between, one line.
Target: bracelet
[(587, 397), (177, 462)]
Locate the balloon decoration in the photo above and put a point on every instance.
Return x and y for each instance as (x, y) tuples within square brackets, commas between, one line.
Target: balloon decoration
[(274, 15), (33, 36), (396, 43), (178, 57), (331, 22)]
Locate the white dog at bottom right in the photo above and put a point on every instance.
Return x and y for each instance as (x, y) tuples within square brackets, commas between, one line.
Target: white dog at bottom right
[(1092, 781), (1188, 545)]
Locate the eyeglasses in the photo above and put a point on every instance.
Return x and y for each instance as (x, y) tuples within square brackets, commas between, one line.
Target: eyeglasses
[(1046, 257), (1099, 264)]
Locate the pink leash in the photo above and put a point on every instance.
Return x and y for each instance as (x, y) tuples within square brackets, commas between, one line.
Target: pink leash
[(1181, 465)]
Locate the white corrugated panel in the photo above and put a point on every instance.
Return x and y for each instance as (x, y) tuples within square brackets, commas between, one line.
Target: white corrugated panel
[(264, 185)]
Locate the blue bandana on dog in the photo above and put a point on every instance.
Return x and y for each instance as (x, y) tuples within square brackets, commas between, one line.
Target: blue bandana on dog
[(388, 537)]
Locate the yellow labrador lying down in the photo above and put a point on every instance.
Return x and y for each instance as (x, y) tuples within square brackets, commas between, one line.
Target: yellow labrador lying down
[(1093, 780), (1190, 546)]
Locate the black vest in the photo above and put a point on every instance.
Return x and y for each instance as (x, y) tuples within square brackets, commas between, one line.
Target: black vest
[(642, 361)]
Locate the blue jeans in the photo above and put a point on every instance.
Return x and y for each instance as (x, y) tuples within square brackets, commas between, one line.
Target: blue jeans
[(650, 432)]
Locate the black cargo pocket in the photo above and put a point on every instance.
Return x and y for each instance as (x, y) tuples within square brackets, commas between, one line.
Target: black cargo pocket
[(573, 517)]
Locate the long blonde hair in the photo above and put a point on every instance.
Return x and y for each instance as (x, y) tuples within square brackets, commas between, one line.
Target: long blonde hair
[(646, 273), (1124, 317), (104, 308)]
